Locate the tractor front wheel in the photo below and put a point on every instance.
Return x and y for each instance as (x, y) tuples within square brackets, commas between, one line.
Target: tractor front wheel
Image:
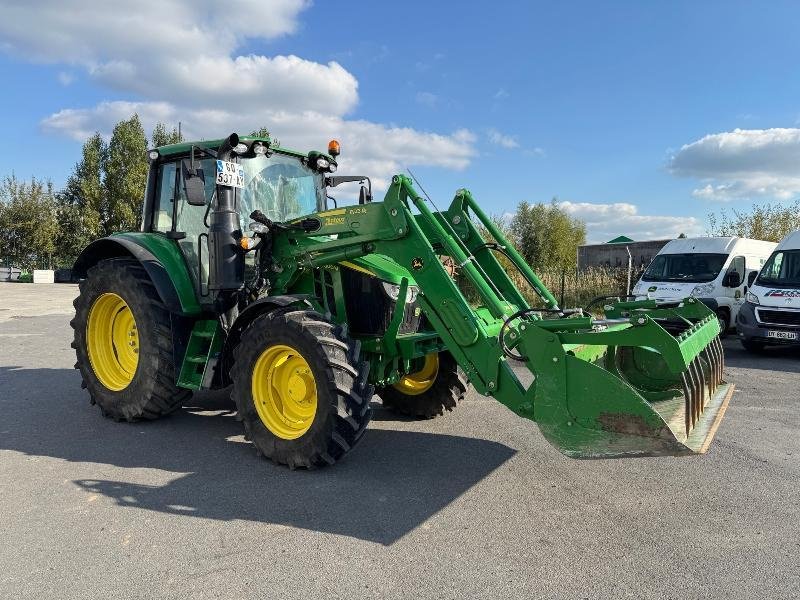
[(437, 385), (300, 389), (123, 343)]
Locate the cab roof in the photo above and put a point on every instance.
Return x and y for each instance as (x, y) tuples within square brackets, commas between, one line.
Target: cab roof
[(791, 241), (185, 147), (716, 245)]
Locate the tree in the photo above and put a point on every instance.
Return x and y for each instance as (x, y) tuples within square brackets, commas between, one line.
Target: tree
[(81, 207), (163, 136), (547, 236), (125, 176), (28, 223), (770, 222), (261, 132)]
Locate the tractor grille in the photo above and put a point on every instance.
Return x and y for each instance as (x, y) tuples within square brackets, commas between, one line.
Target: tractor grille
[(790, 318), (369, 309)]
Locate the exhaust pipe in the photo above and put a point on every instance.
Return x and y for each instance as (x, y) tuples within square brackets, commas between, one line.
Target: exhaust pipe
[(226, 263)]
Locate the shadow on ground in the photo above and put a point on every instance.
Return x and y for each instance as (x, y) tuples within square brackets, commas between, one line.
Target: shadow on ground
[(391, 483)]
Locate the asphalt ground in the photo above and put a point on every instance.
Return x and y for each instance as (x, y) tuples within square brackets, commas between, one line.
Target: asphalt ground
[(471, 505)]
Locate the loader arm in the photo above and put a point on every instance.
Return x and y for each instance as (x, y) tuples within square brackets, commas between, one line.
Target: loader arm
[(642, 381)]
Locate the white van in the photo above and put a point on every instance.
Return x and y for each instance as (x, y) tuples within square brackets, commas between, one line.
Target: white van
[(771, 313), (715, 270)]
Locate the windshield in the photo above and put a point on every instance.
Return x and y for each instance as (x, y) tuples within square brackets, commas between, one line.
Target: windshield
[(281, 187), (782, 269), (685, 267)]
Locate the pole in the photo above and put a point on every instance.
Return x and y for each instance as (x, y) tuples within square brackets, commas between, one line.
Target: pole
[(630, 266)]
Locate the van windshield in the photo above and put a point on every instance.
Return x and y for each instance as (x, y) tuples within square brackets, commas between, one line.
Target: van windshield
[(781, 270), (685, 267)]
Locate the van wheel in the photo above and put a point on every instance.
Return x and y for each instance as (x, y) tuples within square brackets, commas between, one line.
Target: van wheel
[(724, 323)]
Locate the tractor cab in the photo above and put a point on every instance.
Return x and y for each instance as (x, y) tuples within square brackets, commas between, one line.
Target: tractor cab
[(282, 184)]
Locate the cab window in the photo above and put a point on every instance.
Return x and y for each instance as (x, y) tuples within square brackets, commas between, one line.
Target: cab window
[(189, 219)]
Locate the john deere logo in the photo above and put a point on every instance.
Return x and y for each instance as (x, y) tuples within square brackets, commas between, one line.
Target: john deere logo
[(652, 288), (417, 263)]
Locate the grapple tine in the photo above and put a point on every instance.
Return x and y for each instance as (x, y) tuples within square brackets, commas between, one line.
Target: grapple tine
[(712, 348), (687, 394), (712, 375), (697, 392), (690, 400), (703, 386)]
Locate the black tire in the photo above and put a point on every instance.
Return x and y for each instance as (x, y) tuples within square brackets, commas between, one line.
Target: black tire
[(152, 391), (446, 392), (343, 394), (751, 346), (724, 323)]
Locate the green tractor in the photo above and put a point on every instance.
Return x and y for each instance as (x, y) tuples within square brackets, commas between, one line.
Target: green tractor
[(247, 274)]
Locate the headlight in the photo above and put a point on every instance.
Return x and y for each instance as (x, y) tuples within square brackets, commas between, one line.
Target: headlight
[(393, 291), (751, 298), (323, 163), (332, 168), (704, 289)]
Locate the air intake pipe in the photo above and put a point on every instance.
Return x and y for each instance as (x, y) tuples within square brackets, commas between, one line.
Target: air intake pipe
[(226, 263)]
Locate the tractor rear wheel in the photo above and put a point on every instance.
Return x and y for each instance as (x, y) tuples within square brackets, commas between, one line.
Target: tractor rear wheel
[(436, 386), (300, 389), (123, 343)]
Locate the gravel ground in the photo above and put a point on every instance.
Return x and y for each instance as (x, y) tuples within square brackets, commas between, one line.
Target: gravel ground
[(474, 504)]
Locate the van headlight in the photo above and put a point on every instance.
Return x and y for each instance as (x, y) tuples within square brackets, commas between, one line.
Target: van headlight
[(393, 291), (751, 298), (704, 289)]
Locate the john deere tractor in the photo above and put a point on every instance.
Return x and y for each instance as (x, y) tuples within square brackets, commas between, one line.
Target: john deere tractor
[(246, 273)]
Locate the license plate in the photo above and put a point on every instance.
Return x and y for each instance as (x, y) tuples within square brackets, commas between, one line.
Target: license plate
[(782, 335), (229, 173)]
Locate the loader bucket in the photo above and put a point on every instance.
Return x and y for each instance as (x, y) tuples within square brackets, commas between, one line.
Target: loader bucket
[(656, 390)]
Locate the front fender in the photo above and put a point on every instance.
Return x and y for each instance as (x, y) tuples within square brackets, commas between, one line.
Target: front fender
[(247, 316), (160, 257)]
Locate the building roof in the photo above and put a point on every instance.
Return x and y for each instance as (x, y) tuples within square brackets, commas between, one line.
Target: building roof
[(622, 239)]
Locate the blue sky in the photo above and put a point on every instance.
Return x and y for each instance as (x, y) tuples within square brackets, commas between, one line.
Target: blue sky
[(641, 117)]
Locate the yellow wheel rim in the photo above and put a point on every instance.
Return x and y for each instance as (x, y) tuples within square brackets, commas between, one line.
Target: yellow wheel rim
[(284, 392), (420, 382), (112, 342)]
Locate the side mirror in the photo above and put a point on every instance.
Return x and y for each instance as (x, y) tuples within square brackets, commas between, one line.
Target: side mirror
[(364, 196), (751, 277), (733, 279), (194, 184)]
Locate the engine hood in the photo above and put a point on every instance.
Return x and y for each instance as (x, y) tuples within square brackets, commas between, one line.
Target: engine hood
[(777, 297), (664, 290)]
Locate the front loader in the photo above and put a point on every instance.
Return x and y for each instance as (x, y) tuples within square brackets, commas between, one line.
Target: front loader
[(246, 273)]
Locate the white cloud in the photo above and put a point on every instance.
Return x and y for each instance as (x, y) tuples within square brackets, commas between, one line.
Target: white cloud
[(181, 59), (743, 163), (607, 221), (372, 149), (502, 140)]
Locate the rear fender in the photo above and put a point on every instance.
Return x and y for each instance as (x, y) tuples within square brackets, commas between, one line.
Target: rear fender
[(160, 257)]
